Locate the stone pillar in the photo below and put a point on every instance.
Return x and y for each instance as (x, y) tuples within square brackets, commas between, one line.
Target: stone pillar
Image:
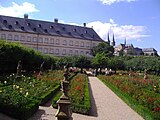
[(64, 112)]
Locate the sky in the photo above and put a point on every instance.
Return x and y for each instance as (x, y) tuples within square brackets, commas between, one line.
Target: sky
[(137, 21)]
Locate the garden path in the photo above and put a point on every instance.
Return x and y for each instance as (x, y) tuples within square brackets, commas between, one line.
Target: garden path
[(105, 106)]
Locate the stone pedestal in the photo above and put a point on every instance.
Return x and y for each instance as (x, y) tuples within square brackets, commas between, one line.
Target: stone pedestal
[(64, 112)]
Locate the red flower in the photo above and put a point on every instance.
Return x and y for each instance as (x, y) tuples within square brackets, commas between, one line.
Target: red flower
[(145, 81), (38, 76), (157, 109), (150, 99), (78, 88)]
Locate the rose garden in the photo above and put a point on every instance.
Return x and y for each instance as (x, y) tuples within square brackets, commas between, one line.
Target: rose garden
[(29, 79)]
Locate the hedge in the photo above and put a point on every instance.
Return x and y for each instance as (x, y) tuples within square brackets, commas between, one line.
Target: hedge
[(11, 53)]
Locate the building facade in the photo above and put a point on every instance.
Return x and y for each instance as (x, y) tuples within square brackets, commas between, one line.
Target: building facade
[(49, 37), (150, 52)]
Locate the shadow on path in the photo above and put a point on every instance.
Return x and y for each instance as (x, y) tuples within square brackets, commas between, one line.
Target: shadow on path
[(49, 103), (93, 110), (37, 115)]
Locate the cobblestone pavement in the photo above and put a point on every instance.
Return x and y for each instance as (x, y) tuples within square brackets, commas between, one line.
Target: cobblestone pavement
[(105, 106)]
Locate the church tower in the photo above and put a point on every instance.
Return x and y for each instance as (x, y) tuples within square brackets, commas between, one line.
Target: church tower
[(108, 39), (125, 41), (113, 41)]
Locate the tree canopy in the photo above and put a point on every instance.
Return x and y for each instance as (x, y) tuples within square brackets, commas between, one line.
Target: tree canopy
[(103, 47)]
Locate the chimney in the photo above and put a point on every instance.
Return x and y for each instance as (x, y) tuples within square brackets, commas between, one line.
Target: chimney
[(84, 24), (56, 20), (25, 16)]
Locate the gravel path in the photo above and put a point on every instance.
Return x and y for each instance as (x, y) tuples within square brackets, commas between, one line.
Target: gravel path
[(105, 106)]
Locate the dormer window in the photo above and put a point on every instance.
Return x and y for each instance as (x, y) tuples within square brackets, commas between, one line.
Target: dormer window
[(39, 25), (69, 33), (16, 23), (74, 30), (45, 30), (58, 32), (34, 29), (28, 24), (10, 26), (63, 28), (51, 27), (81, 35), (86, 31), (5, 21), (22, 28)]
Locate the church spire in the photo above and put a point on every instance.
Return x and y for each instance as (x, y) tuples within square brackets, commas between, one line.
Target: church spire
[(113, 41), (125, 41), (108, 38)]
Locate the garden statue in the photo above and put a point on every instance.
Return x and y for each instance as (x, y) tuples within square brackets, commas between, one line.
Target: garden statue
[(130, 72), (52, 67), (145, 74), (19, 67), (41, 68), (64, 112)]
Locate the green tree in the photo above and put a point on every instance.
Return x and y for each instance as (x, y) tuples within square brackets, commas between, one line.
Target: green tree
[(81, 62), (103, 47), (116, 63), (100, 61)]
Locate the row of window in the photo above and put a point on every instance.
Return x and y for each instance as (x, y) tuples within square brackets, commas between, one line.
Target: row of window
[(44, 40), (61, 52)]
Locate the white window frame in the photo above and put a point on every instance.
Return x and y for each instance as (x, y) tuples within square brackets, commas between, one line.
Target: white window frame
[(52, 41), (64, 42), (28, 38), (34, 39), (40, 40), (71, 42), (46, 40), (9, 37), (57, 41), (16, 37), (3, 36), (82, 44), (22, 38)]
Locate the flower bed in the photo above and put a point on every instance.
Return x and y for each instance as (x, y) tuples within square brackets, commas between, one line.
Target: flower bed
[(139, 92), (79, 94), (20, 97)]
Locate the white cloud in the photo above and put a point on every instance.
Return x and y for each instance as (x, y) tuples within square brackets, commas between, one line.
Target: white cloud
[(18, 10), (130, 32), (109, 2)]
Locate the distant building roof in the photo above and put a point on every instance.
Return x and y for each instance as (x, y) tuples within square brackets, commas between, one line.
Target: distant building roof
[(138, 49), (149, 50), (47, 28)]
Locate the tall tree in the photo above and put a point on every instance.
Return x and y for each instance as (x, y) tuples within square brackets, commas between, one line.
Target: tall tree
[(103, 47), (82, 62), (100, 61)]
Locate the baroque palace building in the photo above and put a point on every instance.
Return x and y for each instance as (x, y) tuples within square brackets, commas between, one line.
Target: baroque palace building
[(49, 37)]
